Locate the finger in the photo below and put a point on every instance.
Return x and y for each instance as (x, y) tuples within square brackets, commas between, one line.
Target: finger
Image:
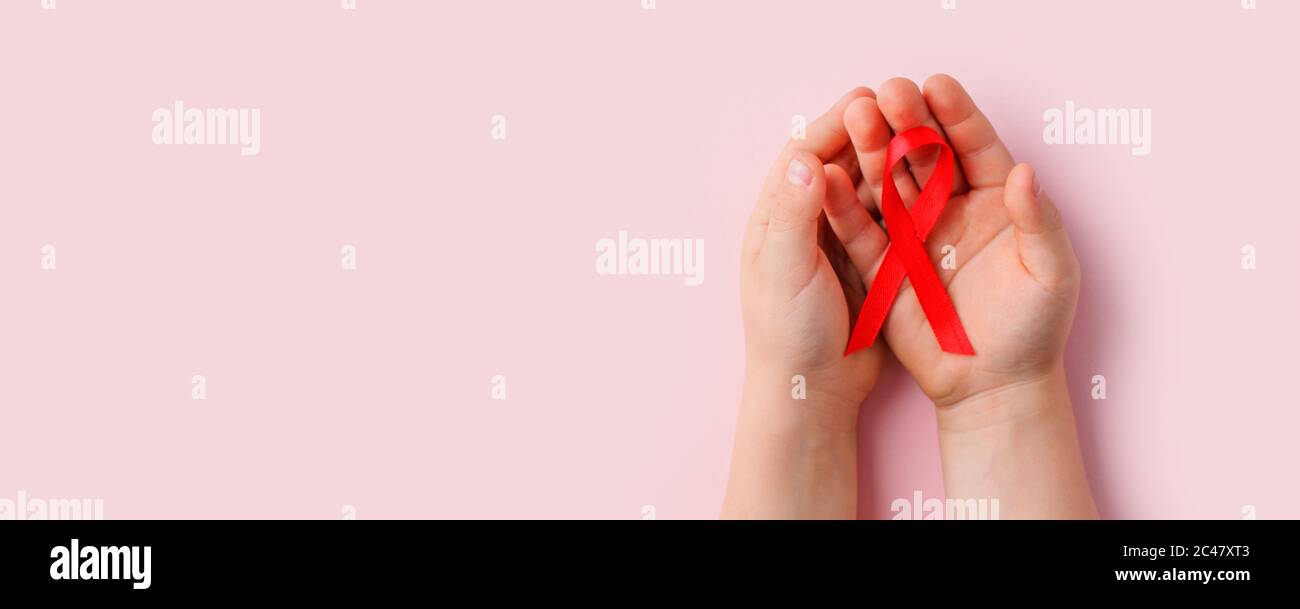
[(826, 135), (870, 135), (796, 204), (1044, 246), (904, 108), (863, 240), (825, 138), (982, 155), (847, 159)]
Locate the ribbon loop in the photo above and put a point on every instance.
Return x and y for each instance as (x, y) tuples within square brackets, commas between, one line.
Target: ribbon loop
[(906, 256)]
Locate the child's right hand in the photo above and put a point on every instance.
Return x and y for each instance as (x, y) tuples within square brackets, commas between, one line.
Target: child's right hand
[(1006, 428), (1016, 278)]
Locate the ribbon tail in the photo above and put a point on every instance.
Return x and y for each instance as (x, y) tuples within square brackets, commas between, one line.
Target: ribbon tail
[(880, 296)]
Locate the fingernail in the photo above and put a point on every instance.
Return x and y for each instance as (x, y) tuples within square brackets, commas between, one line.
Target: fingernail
[(1038, 188), (798, 173)]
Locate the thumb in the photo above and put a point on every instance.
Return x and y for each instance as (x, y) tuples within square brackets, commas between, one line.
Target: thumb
[(796, 207), (1044, 246)]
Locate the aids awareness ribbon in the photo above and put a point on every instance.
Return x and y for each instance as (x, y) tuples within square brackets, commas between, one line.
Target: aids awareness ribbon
[(906, 255)]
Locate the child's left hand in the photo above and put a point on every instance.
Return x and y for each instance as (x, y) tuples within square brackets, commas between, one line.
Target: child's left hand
[(799, 288), (798, 457)]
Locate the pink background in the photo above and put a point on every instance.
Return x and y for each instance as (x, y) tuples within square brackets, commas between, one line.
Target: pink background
[(476, 257)]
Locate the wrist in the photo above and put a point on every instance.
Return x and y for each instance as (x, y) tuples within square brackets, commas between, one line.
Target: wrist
[(1017, 444), (793, 458), (804, 401), (1015, 401)]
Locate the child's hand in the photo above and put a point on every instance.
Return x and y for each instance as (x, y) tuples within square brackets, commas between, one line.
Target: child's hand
[(1006, 429), (798, 285), (797, 458), (1016, 279)]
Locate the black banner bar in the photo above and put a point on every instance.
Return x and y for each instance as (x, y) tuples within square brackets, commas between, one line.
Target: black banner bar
[(156, 558)]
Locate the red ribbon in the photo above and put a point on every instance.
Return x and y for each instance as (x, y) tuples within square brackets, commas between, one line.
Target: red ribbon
[(906, 255)]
